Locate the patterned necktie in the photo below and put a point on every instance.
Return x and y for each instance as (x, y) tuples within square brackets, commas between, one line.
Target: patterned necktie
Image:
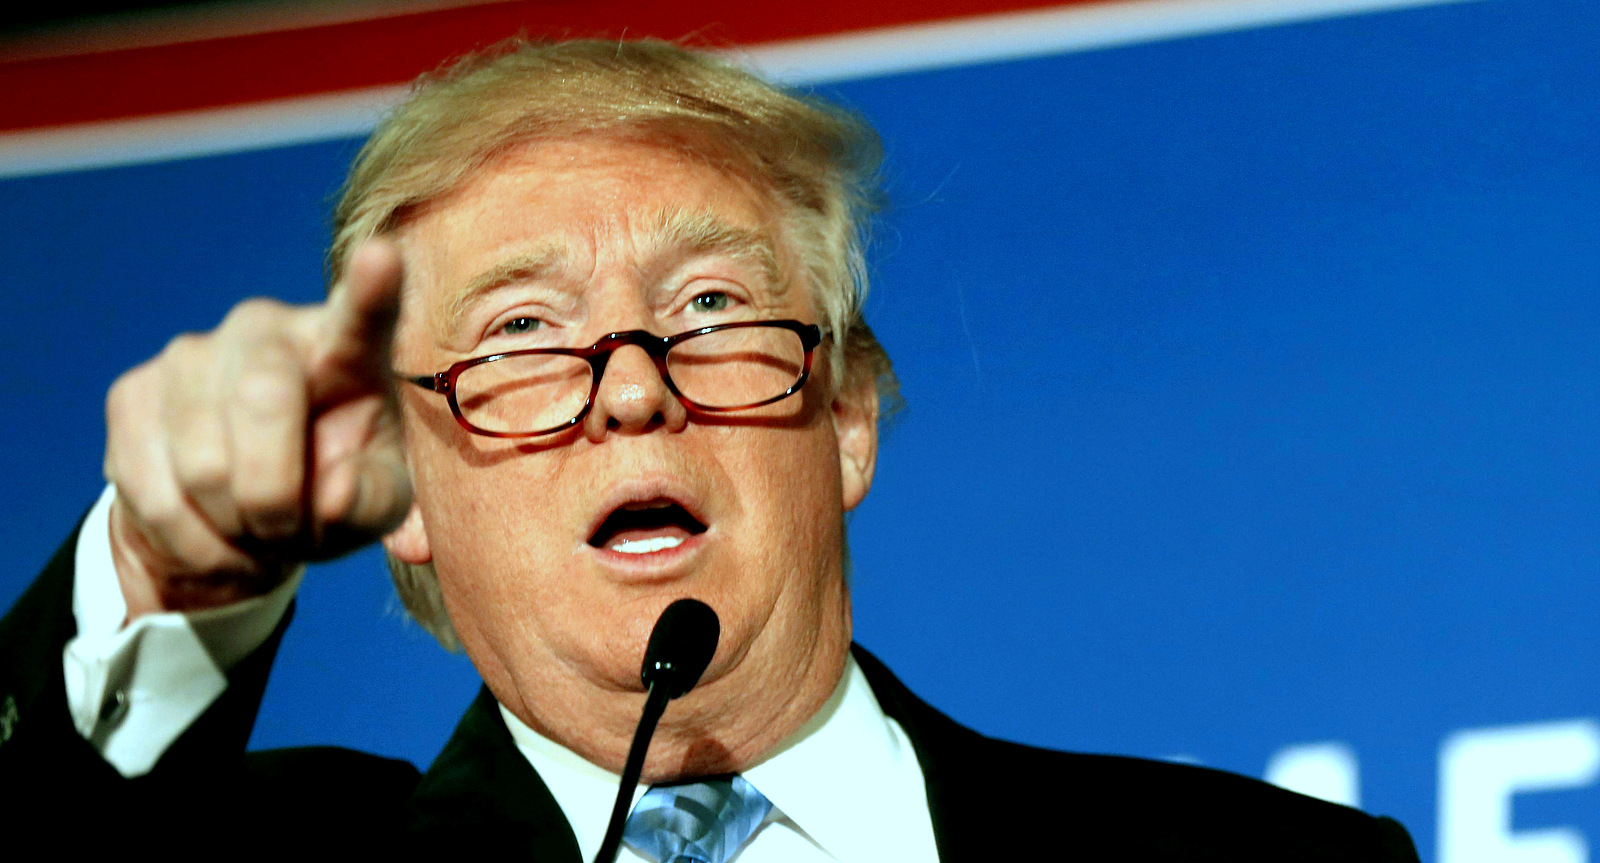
[(700, 822)]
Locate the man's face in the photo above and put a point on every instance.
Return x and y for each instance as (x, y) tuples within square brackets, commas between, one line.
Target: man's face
[(557, 554)]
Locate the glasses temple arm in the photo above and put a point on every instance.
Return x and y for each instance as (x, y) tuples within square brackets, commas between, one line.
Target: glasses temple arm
[(427, 382)]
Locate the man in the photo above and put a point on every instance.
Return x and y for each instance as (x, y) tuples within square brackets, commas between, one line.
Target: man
[(595, 344)]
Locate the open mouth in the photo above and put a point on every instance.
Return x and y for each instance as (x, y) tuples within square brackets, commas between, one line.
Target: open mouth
[(646, 527)]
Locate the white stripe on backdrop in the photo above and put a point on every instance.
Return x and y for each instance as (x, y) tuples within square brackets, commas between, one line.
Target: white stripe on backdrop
[(819, 60)]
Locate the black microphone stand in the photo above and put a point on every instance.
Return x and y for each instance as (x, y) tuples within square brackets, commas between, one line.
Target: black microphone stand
[(681, 645), (654, 705)]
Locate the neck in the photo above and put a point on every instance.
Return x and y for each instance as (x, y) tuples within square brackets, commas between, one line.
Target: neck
[(715, 730), (725, 725)]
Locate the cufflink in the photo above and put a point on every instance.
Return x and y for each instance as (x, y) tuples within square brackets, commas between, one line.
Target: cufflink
[(8, 718), (115, 708)]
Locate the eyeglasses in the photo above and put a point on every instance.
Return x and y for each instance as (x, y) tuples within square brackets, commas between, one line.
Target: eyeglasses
[(729, 367)]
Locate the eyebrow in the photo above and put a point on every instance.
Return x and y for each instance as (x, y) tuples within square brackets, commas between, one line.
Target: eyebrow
[(695, 231), (527, 266), (704, 232)]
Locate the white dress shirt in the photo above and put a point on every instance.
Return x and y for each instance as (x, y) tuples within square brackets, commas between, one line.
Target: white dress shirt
[(132, 690), (846, 786)]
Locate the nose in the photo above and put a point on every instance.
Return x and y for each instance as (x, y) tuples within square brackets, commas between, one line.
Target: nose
[(633, 398)]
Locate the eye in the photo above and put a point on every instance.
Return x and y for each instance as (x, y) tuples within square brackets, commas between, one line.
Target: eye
[(711, 301), (519, 326)]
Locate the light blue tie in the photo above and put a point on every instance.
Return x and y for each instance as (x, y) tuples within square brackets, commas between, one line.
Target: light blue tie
[(699, 822)]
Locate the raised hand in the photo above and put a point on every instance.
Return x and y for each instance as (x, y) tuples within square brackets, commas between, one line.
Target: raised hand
[(268, 442)]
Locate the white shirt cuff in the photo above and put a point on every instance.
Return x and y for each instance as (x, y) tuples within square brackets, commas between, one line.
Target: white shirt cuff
[(133, 690)]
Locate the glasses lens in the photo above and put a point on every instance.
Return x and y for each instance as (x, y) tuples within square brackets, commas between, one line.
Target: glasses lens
[(522, 394), (738, 367)]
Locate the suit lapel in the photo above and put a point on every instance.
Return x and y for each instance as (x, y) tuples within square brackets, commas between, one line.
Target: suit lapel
[(482, 787), (33, 698)]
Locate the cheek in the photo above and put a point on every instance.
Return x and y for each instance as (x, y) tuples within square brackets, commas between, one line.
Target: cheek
[(790, 486), (501, 567), (483, 519)]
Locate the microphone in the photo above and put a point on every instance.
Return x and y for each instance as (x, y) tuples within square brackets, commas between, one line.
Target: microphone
[(681, 646)]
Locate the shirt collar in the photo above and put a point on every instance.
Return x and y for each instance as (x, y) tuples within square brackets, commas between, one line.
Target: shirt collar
[(833, 778)]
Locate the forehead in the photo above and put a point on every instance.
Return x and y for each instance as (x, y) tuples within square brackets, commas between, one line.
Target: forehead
[(583, 197)]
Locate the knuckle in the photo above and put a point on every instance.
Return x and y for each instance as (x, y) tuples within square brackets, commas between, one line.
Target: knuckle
[(266, 494), (268, 389), (254, 312), (179, 360), (125, 392), (202, 466), (166, 517), (183, 346)]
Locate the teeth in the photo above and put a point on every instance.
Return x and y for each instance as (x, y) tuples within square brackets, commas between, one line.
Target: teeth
[(646, 546)]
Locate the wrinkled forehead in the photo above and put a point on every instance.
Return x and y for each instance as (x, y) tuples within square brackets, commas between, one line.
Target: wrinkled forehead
[(577, 209)]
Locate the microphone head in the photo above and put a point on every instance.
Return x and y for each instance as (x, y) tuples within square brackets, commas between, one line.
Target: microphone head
[(681, 646)]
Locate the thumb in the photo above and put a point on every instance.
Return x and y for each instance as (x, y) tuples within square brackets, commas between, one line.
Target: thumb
[(371, 498), (361, 488)]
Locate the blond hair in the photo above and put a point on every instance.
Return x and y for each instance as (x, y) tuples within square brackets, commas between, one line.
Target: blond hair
[(818, 161)]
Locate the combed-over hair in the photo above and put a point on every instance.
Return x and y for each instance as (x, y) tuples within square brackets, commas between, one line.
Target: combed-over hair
[(818, 161)]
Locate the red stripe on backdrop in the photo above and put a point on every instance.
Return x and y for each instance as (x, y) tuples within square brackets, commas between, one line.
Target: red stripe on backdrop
[(60, 90)]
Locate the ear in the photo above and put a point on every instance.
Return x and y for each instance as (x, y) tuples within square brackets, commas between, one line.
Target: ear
[(409, 541), (855, 424)]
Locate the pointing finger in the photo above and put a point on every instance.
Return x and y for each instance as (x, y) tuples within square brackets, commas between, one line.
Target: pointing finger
[(356, 326)]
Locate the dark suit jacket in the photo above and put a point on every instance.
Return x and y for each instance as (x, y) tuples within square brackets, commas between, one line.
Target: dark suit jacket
[(989, 800)]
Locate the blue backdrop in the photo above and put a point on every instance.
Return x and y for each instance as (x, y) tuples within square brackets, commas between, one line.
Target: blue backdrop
[(1252, 396)]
